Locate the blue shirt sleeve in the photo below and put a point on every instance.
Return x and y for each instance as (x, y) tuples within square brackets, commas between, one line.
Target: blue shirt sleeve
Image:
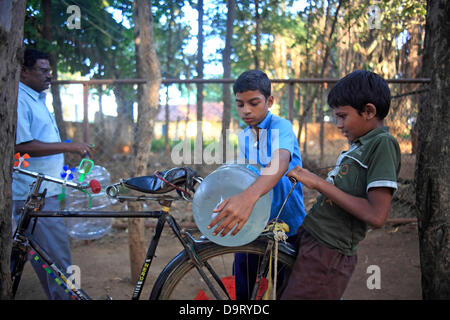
[(283, 136), (241, 144)]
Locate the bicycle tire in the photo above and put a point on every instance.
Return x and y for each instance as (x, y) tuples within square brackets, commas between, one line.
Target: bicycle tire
[(174, 281)]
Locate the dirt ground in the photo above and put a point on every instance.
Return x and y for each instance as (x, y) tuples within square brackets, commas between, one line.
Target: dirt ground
[(105, 270)]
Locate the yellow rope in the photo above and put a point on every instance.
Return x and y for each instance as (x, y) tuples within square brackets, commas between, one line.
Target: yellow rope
[(279, 230), (274, 290)]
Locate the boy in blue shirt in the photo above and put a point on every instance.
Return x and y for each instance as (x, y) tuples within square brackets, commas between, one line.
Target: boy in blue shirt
[(269, 141)]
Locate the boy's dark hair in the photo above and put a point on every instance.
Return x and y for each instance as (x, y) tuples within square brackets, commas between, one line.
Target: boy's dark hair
[(31, 56), (359, 88), (252, 80)]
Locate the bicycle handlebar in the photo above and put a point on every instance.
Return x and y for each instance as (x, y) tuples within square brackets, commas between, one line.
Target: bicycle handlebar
[(94, 185)]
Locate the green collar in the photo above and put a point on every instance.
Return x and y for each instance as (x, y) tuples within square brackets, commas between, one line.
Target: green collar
[(371, 134)]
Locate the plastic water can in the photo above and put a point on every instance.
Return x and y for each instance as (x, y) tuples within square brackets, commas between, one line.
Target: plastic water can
[(229, 180), (89, 228)]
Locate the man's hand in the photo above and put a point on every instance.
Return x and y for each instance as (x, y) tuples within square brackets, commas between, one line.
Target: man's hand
[(81, 148), (36, 148)]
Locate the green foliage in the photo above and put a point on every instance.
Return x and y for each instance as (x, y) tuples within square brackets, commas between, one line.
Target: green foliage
[(99, 47), (292, 43)]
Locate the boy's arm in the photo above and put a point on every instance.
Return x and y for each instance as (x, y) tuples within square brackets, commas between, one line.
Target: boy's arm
[(237, 209), (374, 210)]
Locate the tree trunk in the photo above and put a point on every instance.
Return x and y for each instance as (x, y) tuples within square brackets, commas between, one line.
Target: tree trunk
[(148, 68), (48, 35), (329, 44), (304, 109), (257, 52), (226, 89), (11, 35), (124, 125), (432, 164), (199, 139), (100, 125), (166, 124), (320, 101), (168, 70)]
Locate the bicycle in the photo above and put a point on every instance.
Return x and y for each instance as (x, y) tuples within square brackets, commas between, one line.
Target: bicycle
[(209, 264)]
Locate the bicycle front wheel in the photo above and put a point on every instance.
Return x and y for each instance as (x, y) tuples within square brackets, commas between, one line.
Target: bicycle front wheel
[(181, 280)]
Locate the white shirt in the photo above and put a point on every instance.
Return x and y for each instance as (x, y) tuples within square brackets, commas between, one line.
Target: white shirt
[(35, 122)]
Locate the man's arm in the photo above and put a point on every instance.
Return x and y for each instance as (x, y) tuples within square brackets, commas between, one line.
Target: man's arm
[(237, 209), (374, 210), (36, 148)]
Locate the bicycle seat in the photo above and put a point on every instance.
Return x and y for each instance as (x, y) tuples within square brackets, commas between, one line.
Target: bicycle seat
[(154, 184)]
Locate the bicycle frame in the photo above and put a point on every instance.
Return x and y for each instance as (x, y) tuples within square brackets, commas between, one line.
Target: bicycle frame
[(23, 243)]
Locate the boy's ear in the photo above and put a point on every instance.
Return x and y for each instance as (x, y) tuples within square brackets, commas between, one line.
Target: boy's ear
[(370, 111), (270, 101)]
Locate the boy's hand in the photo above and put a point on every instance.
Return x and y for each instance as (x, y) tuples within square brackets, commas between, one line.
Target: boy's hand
[(234, 211), (306, 177)]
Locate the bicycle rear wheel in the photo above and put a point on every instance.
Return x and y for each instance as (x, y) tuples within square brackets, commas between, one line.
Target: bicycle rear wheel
[(180, 280)]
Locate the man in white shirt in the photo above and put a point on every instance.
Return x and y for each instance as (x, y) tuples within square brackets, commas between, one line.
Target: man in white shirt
[(37, 134)]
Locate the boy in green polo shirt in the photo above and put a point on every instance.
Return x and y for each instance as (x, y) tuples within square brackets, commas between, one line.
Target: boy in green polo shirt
[(355, 195)]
